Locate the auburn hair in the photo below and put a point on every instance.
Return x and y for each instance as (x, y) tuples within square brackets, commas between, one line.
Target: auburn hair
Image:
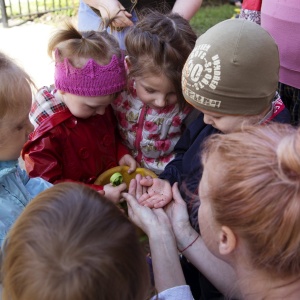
[(258, 192)]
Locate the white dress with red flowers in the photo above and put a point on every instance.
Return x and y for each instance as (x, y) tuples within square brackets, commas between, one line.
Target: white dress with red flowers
[(150, 134)]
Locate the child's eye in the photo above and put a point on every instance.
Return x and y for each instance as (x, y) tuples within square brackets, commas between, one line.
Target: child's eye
[(150, 91), (20, 127)]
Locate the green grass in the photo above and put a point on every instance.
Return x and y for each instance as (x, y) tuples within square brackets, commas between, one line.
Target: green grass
[(208, 16)]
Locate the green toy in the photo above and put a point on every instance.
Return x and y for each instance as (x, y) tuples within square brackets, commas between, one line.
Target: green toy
[(116, 179)]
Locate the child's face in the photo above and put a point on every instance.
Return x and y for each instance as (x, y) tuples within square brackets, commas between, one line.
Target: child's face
[(155, 90), (84, 107), (225, 123), (14, 131)]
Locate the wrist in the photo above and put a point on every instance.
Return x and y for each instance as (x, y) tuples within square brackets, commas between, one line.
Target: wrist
[(161, 235), (189, 245), (186, 237)]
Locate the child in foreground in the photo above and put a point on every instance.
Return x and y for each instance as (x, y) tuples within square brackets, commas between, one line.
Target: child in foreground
[(16, 188), (75, 136), (71, 243), (152, 110)]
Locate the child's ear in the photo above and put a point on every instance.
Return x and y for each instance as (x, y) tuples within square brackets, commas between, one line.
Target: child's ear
[(128, 63), (227, 241)]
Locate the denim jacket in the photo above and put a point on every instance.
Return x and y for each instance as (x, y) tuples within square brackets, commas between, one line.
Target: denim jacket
[(16, 190)]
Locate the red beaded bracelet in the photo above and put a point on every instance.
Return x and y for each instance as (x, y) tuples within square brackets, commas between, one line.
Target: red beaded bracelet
[(190, 244)]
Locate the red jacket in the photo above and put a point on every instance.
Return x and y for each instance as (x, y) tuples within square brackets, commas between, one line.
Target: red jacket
[(64, 148)]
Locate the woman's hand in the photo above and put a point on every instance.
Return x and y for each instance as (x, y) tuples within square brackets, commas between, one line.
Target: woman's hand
[(151, 221), (114, 9), (128, 160), (179, 219)]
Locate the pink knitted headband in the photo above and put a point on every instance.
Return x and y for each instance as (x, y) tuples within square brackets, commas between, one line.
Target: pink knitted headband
[(93, 79)]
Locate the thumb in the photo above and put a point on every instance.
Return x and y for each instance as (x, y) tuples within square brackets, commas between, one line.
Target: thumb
[(132, 166), (146, 182), (121, 187), (176, 194), (131, 200)]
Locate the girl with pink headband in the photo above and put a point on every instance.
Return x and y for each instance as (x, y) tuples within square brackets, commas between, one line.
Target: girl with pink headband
[(75, 135)]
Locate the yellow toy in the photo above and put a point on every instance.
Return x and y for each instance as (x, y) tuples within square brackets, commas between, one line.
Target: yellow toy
[(105, 177)]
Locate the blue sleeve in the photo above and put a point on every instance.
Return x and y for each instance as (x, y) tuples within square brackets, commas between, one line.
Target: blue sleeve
[(36, 185), (179, 166), (33, 185), (173, 170), (16, 191)]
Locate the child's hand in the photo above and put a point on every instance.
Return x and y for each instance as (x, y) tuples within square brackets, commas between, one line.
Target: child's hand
[(151, 192), (101, 192), (113, 193), (128, 160)]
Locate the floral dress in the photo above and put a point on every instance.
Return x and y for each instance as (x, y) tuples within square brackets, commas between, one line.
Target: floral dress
[(150, 134)]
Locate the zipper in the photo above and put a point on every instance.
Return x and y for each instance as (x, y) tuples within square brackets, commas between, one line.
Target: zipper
[(139, 132)]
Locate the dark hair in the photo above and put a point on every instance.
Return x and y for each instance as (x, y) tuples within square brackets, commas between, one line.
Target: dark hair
[(160, 44), (72, 243)]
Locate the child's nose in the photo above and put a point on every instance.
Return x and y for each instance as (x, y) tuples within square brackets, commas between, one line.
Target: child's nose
[(207, 119), (30, 128), (160, 102), (100, 110)]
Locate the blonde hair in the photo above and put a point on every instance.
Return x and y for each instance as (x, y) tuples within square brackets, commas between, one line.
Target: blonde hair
[(72, 243), (15, 87), (258, 192), (75, 45)]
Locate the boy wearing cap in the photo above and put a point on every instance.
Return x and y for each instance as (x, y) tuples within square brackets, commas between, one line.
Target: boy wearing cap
[(231, 77)]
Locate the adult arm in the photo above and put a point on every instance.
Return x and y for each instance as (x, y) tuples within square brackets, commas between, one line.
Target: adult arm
[(218, 272), (155, 223), (111, 8), (187, 10)]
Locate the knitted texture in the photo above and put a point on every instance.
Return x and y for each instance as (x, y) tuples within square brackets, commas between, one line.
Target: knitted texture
[(93, 79)]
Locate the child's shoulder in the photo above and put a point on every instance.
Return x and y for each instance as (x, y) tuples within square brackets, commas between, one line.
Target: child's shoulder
[(46, 103), (7, 167)]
